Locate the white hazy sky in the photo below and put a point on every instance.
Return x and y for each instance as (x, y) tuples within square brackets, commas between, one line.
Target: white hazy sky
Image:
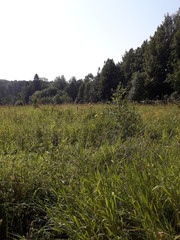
[(73, 37)]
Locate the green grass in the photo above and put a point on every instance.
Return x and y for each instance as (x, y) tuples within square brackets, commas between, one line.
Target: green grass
[(90, 172)]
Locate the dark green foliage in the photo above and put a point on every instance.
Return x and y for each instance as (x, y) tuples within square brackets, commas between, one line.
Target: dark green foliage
[(36, 83), (60, 83), (158, 60), (87, 92), (128, 66), (72, 88), (57, 99), (108, 80), (138, 90), (19, 103), (80, 96), (10, 90)]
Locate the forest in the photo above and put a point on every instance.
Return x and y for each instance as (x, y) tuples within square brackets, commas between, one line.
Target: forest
[(150, 72)]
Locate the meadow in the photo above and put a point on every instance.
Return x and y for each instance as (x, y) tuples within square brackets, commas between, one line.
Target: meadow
[(97, 172)]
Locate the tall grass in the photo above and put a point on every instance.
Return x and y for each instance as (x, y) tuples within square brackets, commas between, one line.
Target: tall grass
[(90, 172)]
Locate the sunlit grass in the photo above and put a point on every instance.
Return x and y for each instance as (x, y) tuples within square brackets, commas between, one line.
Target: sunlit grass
[(88, 172)]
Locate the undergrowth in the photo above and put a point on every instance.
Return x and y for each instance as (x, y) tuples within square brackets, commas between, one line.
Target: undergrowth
[(90, 171)]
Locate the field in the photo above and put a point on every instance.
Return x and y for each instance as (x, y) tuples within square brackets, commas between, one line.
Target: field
[(90, 172)]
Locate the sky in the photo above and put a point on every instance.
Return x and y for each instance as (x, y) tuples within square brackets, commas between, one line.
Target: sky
[(73, 37)]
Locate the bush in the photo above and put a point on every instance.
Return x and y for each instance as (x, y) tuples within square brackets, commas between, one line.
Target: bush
[(19, 103), (57, 99), (128, 120)]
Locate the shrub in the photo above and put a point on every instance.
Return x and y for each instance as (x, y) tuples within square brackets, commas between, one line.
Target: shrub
[(128, 120)]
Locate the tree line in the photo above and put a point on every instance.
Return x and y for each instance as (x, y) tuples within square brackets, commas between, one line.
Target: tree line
[(149, 72)]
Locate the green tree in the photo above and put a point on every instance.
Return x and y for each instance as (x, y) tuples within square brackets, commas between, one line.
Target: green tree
[(57, 99), (138, 91), (60, 83), (80, 96), (36, 83), (108, 80), (157, 58), (72, 88), (27, 91), (127, 66), (174, 61)]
